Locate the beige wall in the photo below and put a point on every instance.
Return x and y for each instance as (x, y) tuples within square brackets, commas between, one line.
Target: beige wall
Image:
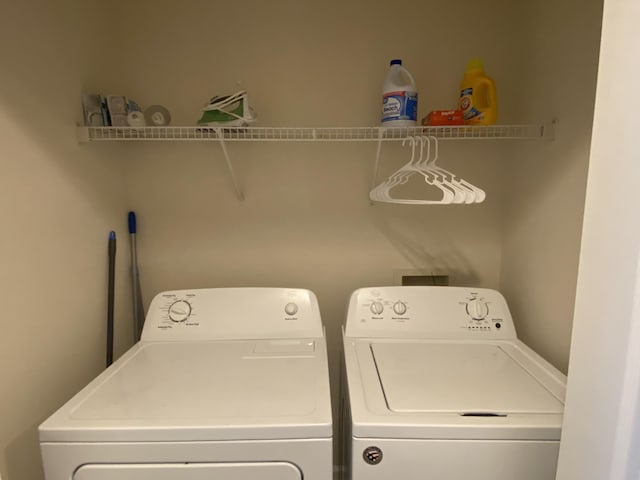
[(59, 201), (547, 181), (306, 221)]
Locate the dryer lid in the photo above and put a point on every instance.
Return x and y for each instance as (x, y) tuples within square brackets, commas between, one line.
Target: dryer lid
[(472, 379), (220, 390)]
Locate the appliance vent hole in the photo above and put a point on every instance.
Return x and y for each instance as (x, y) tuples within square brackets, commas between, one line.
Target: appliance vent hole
[(430, 280)]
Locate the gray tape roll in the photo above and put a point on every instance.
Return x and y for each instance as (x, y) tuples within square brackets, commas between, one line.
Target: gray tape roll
[(136, 119), (157, 116)]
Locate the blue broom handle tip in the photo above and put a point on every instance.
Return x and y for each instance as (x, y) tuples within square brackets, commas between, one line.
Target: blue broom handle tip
[(132, 222)]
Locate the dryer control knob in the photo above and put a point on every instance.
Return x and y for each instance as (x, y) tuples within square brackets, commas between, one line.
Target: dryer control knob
[(400, 308), (377, 308), (179, 311), (477, 309)]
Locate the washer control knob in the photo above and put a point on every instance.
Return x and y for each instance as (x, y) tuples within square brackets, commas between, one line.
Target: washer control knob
[(179, 311), (477, 309), (400, 308), (291, 309), (377, 308)]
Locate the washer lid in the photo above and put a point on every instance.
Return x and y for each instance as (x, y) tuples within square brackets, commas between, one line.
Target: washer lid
[(212, 390), (472, 379)]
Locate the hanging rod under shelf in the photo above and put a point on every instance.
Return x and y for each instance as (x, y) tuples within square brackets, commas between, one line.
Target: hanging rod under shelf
[(330, 134)]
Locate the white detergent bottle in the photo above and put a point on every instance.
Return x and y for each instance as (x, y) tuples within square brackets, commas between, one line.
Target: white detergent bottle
[(399, 97)]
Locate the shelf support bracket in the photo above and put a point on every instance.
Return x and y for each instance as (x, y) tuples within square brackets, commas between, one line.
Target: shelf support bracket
[(227, 159), (550, 130), (376, 164)]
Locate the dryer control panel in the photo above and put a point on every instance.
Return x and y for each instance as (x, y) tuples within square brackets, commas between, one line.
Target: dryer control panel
[(233, 313), (429, 312)]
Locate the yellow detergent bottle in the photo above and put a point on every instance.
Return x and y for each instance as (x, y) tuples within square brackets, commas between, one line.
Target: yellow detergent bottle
[(478, 100)]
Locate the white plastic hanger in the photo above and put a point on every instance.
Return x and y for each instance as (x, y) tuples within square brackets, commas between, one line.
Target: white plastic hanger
[(382, 193), (463, 194), (454, 189), (472, 193), (438, 174)]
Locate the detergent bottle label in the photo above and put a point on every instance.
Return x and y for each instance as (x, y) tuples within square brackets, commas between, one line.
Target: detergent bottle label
[(399, 105), (469, 111)]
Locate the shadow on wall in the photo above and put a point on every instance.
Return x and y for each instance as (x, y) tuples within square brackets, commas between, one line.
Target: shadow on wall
[(427, 259)]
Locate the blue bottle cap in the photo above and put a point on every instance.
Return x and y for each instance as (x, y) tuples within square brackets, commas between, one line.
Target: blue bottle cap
[(395, 61)]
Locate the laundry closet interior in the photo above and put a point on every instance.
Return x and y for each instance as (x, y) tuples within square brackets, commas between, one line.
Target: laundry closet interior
[(306, 219)]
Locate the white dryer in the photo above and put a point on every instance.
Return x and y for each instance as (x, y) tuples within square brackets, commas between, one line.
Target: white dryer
[(438, 386), (225, 384)]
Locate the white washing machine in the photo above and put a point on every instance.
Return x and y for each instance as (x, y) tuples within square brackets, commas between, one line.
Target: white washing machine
[(439, 387), (225, 384)]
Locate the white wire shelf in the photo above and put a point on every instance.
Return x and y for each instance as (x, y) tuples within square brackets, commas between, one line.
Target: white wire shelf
[(347, 134), (222, 135)]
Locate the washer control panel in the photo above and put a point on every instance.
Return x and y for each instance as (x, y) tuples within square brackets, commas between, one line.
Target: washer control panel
[(233, 313), (429, 312)]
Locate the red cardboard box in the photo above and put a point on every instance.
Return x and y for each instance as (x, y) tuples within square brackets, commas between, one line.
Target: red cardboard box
[(443, 117)]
